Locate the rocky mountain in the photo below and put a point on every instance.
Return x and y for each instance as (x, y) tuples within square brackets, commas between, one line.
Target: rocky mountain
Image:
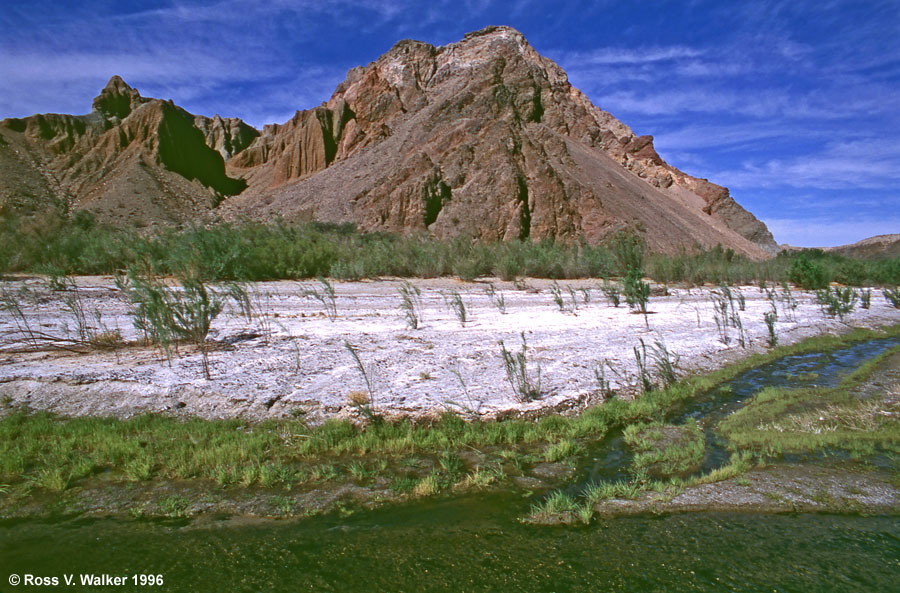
[(483, 138), (132, 159)]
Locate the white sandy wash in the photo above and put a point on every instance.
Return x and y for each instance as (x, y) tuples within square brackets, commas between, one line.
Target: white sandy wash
[(291, 360)]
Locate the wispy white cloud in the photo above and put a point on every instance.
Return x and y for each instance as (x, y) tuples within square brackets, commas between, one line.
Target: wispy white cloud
[(763, 103), (729, 136), (629, 56), (861, 164)]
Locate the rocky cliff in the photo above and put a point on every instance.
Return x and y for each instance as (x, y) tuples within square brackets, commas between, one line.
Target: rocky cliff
[(132, 159), (483, 138)]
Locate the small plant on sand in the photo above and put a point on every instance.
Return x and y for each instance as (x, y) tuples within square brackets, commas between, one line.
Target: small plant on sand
[(788, 302), (666, 364), (727, 314), (260, 308), (497, 299), (837, 302), (892, 296), (24, 331), (739, 325), (612, 292), (586, 295), (410, 304), (168, 316), (637, 293), (770, 318), (720, 307), (557, 296), (603, 384), (525, 384), (471, 407), (559, 299), (642, 359), (865, 298), (362, 401), (573, 297), (325, 294), (86, 333), (455, 303)]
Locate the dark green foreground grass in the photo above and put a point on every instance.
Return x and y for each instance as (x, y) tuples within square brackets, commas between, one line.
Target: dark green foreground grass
[(44, 452)]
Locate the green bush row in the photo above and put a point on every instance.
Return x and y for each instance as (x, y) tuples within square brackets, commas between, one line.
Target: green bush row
[(254, 251)]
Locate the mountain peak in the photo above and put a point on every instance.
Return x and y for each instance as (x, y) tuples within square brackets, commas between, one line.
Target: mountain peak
[(502, 31), (117, 99)]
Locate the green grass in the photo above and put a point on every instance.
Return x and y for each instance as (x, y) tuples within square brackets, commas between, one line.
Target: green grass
[(562, 450), (595, 493), (665, 450), (555, 505), (780, 420), (739, 464)]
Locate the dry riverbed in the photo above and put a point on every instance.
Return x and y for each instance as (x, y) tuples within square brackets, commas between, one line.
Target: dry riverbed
[(291, 359)]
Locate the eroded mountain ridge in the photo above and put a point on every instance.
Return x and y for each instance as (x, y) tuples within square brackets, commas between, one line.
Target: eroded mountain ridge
[(483, 138)]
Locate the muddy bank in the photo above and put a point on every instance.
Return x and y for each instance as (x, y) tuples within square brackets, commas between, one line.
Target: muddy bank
[(778, 489), (291, 359)]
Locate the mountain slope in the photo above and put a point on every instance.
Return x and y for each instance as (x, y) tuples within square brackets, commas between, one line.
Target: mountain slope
[(487, 138), (482, 138)]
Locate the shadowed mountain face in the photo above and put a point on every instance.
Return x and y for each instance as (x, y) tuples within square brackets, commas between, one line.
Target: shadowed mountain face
[(482, 138)]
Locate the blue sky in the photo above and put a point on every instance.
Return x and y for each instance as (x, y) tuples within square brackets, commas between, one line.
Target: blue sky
[(795, 106)]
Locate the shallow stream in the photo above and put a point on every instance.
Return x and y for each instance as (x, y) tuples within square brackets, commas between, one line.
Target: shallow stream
[(609, 460), (475, 543)]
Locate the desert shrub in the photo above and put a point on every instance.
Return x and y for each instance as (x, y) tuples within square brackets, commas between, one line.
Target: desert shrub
[(808, 273), (892, 296), (629, 249), (56, 242), (837, 302), (636, 292), (525, 383), (169, 316), (410, 304)]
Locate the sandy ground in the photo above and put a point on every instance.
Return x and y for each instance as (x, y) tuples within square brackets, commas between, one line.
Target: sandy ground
[(292, 360)]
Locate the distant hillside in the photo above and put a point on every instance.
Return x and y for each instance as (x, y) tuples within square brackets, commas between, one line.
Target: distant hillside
[(878, 247)]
